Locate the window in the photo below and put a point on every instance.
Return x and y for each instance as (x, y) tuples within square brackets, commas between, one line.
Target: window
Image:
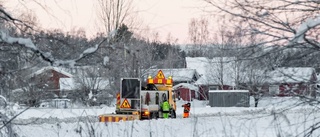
[(130, 88)]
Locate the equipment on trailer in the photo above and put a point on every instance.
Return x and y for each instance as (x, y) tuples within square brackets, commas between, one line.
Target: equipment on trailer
[(137, 102)]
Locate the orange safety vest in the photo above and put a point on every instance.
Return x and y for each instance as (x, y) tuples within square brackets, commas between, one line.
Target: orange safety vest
[(186, 108)]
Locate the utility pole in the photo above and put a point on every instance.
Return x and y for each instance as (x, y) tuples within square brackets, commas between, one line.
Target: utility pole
[(138, 64), (135, 64)]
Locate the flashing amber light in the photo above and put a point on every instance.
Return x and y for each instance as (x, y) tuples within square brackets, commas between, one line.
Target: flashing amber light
[(150, 80), (160, 79)]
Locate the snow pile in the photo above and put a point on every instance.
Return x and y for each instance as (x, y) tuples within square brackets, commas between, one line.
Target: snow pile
[(271, 118)]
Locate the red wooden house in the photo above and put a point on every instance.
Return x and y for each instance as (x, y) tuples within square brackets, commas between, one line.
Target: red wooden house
[(187, 92), (292, 81), (47, 79)]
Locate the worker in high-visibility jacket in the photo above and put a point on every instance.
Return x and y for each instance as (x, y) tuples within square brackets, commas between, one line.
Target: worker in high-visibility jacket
[(165, 107), (186, 110)]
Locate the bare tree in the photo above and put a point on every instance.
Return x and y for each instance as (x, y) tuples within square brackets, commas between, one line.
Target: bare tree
[(114, 13), (287, 25), (199, 31), (287, 22), (199, 35), (93, 87), (117, 17), (252, 77)]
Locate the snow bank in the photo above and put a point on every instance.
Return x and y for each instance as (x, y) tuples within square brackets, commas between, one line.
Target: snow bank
[(203, 122)]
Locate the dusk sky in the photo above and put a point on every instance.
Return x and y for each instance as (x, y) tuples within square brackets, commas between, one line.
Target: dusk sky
[(163, 16)]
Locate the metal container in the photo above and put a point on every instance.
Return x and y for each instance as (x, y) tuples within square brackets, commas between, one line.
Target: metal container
[(229, 98)]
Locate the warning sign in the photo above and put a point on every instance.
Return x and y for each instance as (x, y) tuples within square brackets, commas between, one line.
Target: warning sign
[(160, 75), (125, 104)]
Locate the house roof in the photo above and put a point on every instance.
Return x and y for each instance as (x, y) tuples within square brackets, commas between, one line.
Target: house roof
[(198, 63), (290, 74), (60, 70), (210, 69), (186, 85), (85, 71), (94, 83), (228, 91), (181, 74)]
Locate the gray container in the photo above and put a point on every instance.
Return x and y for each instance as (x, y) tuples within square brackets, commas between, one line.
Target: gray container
[(229, 98)]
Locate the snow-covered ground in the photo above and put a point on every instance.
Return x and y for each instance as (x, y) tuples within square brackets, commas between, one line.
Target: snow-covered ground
[(274, 117)]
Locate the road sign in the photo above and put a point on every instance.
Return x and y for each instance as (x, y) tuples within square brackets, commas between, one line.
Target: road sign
[(160, 75), (125, 104)]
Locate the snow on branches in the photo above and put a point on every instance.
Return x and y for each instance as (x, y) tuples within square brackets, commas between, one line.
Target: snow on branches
[(47, 56), (304, 27)]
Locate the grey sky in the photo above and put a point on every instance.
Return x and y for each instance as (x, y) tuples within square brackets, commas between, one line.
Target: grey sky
[(163, 16)]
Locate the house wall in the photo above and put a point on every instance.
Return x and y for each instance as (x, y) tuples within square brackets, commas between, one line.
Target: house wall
[(185, 93), (290, 89), (56, 77), (49, 81), (204, 92), (305, 87)]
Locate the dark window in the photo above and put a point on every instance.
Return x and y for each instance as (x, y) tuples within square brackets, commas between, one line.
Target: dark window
[(130, 88)]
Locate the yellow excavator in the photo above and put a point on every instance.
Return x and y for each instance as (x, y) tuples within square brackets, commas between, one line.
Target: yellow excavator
[(135, 102)]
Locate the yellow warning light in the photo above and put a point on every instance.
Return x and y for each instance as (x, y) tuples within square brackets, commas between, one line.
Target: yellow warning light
[(149, 77), (170, 77), (169, 81), (150, 81)]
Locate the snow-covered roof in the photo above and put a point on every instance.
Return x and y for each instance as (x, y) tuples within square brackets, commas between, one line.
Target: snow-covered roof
[(85, 71), (245, 91), (198, 63), (291, 74), (181, 74), (186, 85), (60, 70), (94, 83), (210, 69)]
